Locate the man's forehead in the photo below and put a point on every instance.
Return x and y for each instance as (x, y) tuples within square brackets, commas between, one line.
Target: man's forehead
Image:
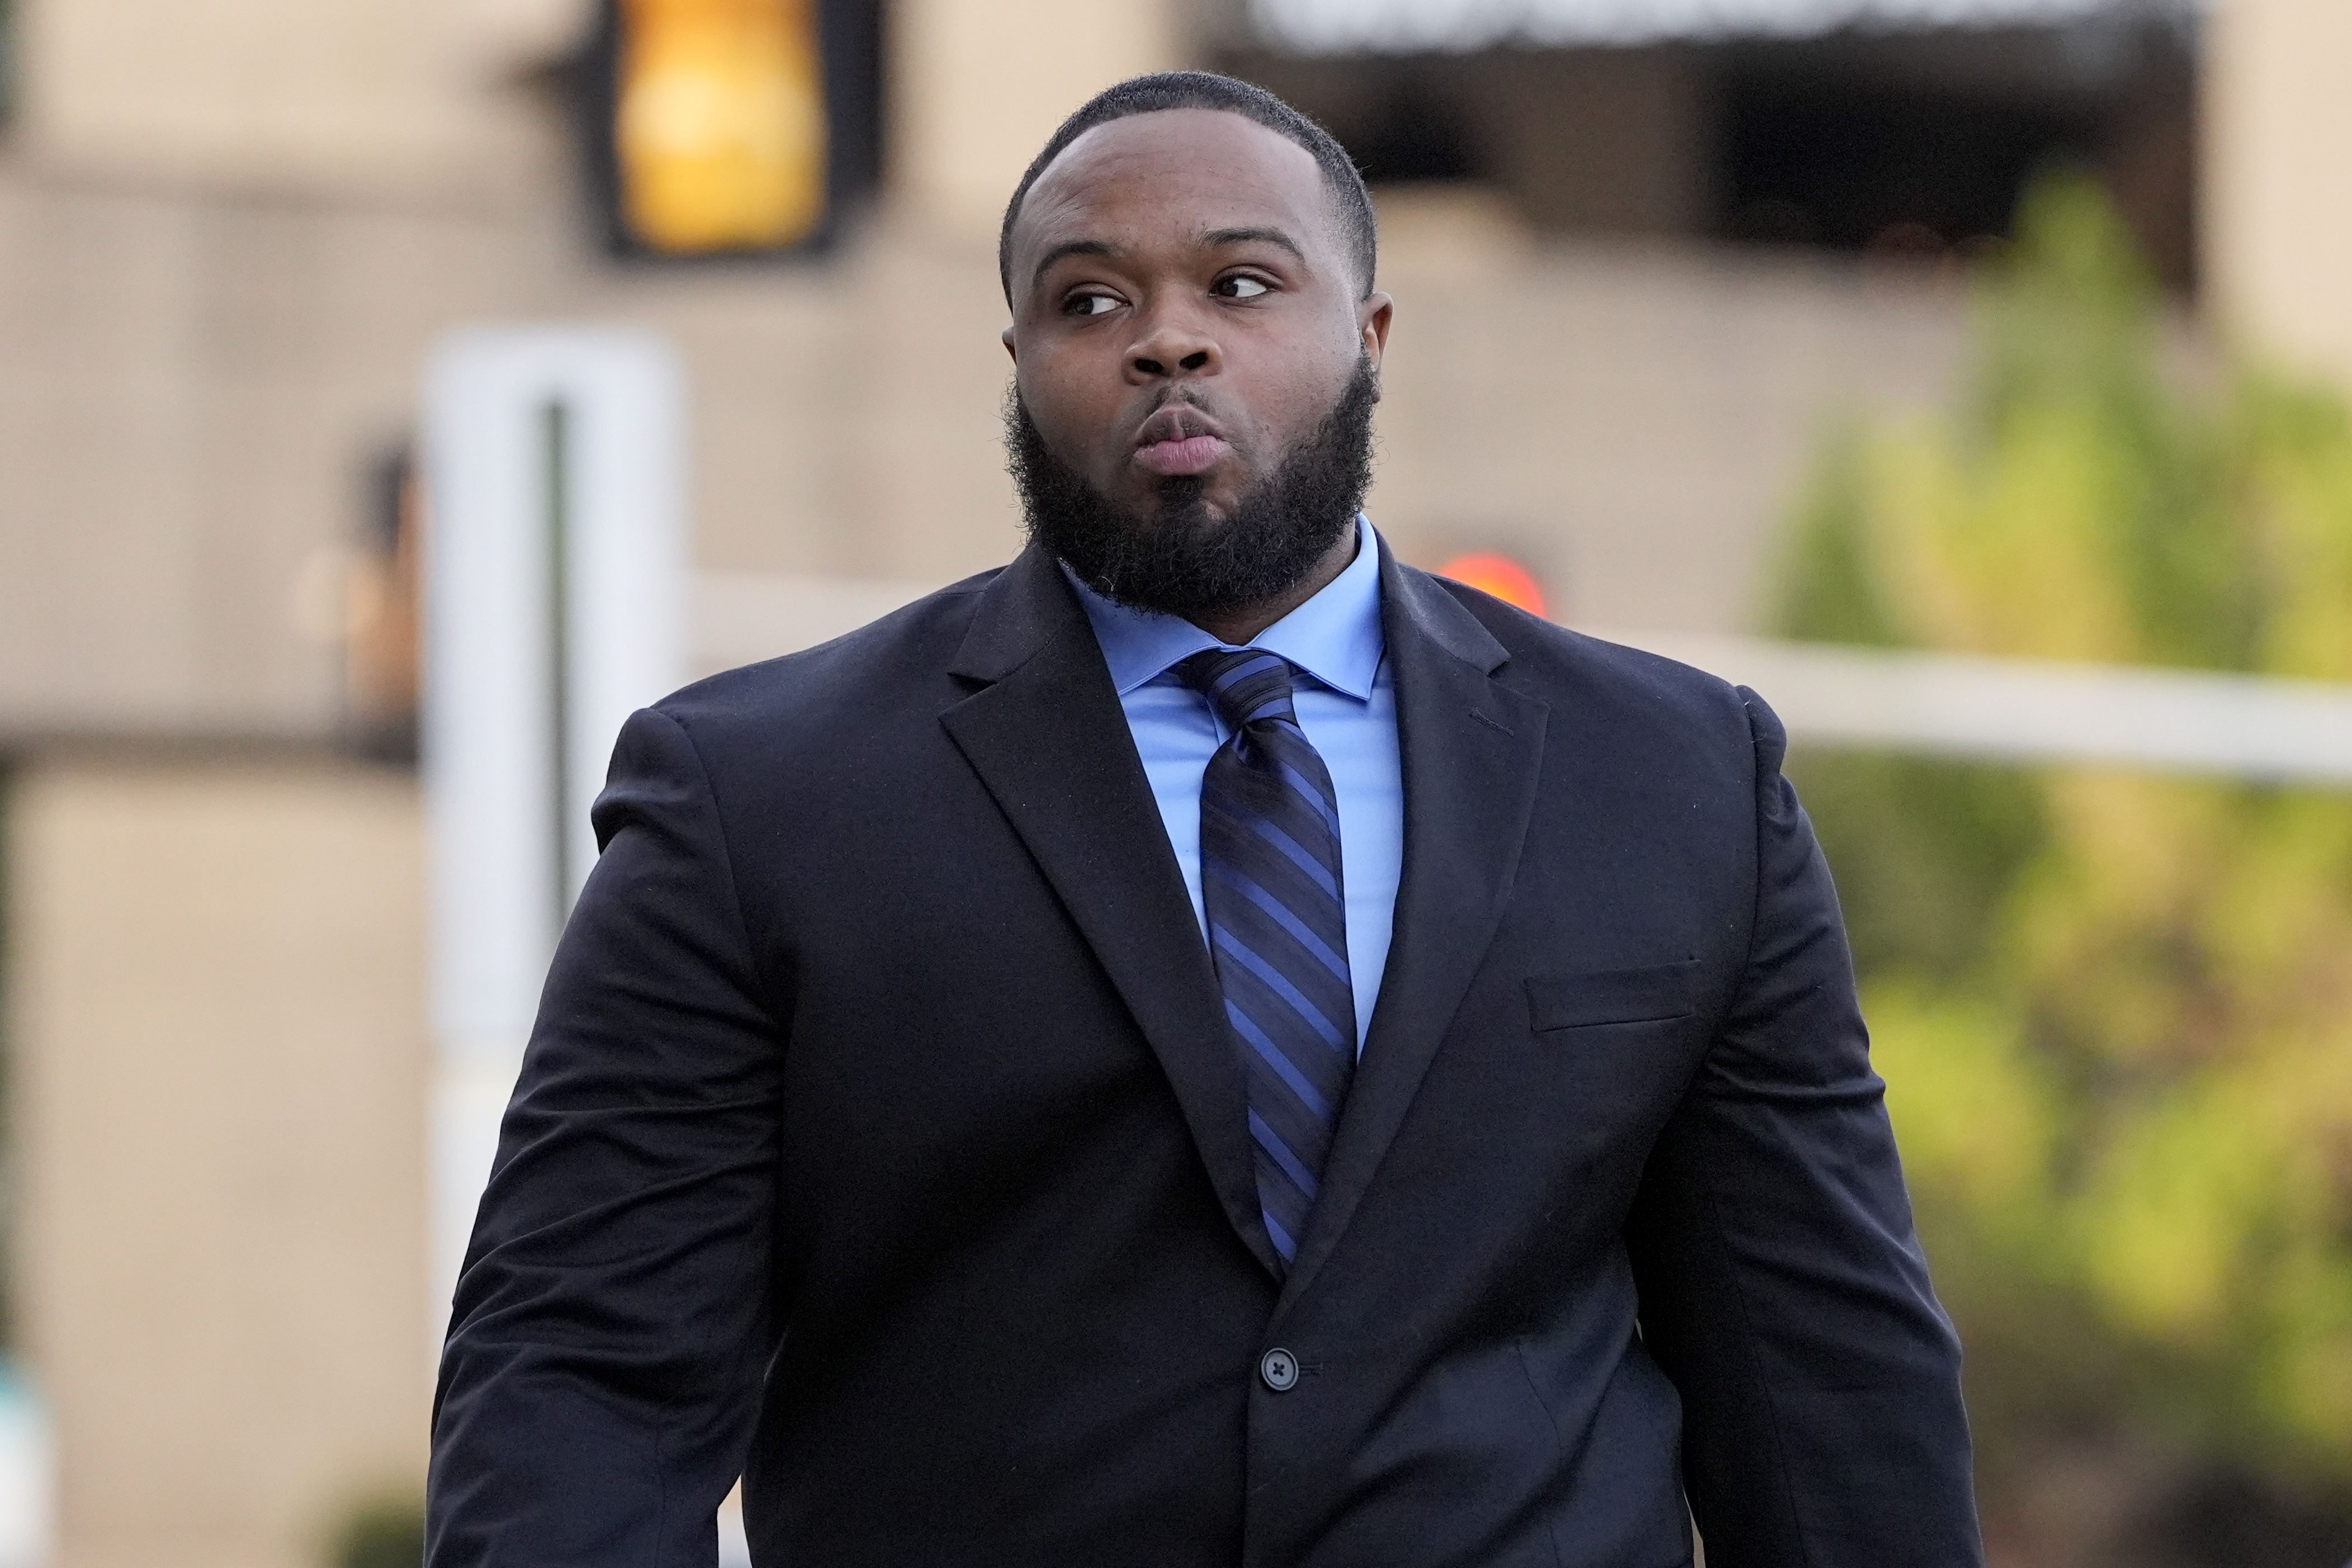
[(1205, 171)]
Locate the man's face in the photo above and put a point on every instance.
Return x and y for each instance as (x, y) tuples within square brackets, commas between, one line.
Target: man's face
[(1184, 310)]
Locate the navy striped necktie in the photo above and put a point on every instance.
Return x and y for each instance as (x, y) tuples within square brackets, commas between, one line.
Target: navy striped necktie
[(1276, 908)]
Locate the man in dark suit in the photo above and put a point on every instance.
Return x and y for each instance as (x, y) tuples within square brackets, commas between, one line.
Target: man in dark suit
[(1206, 1045)]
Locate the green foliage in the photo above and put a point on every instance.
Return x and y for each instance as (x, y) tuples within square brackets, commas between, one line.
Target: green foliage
[(2113, 1010), (382, 1533), (9, 27), (1926, 851)]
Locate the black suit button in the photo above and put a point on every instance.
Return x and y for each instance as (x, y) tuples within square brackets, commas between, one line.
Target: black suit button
[(1279, 1368)]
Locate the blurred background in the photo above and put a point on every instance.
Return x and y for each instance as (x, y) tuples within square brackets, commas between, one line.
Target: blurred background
[(1926, 340)]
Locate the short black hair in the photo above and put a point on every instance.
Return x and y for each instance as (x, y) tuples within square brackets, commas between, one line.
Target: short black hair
[(1207, 90)]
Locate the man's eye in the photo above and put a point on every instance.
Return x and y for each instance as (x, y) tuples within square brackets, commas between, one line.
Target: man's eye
[(1242, 287), (1089, 305)]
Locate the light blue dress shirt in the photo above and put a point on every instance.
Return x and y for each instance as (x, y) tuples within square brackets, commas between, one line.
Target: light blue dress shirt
[(1347, 705)]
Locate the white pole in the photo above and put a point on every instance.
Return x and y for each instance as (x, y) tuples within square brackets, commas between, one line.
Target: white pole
[(555, 593)]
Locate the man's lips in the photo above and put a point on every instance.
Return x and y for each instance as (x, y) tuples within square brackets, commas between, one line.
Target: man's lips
[(1179, 439), (1186, 455)]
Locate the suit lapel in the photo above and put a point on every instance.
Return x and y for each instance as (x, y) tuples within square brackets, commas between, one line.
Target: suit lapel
[(1046, 736), (1471, 749)]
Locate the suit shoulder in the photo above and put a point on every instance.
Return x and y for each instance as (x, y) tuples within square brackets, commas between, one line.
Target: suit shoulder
[(886, 666)]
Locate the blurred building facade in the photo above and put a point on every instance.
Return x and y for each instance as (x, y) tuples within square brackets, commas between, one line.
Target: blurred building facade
[(1634, 278)]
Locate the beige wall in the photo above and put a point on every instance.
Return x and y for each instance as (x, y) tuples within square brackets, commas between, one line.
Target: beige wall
[(193, 388), (216, 988), (191, 384), (978, 85), (2278, 176), (328, 95)]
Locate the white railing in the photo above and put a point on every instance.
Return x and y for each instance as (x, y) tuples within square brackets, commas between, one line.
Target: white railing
[(2020, 710), (2037, 710)]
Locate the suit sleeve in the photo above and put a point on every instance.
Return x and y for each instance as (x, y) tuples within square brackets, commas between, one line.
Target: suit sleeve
[(611, 1322), (1782, 1287)]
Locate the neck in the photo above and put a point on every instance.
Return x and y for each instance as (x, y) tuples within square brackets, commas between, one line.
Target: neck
[(1244, 622)]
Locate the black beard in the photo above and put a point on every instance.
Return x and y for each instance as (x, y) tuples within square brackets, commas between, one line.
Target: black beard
[(1183, 561)]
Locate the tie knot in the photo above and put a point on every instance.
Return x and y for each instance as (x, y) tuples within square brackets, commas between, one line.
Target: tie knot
[(1246, 685)]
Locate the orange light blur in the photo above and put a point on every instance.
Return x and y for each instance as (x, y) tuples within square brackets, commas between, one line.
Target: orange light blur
[(719, 127), (1499, 575)]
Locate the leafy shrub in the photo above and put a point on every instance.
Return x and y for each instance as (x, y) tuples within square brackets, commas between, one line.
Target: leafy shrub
[(2114, 1008), (382, 1533)]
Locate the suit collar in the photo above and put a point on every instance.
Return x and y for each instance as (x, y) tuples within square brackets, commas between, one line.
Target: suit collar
[(1415, 604), (1024, 608)]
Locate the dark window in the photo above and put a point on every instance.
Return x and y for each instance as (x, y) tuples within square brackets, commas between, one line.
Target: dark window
[(1843, 164), (1926, 142), (1409, 129)]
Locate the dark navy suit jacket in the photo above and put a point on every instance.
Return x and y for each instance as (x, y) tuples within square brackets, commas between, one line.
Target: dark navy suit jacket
[(882, 1138)]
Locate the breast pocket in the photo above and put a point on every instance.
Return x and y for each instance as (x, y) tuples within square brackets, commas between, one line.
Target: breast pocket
[(1654, 993)]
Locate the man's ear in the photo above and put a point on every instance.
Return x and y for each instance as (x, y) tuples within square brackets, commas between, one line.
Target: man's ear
[(1372, 317)]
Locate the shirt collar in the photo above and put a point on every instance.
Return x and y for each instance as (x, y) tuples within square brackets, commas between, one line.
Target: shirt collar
[(1335, 636)]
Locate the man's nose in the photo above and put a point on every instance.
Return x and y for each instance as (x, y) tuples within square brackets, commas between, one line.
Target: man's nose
[(1175, 342)]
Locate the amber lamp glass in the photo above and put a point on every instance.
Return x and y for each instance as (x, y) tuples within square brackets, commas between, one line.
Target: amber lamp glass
[(1499, 575), (721, 125)]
